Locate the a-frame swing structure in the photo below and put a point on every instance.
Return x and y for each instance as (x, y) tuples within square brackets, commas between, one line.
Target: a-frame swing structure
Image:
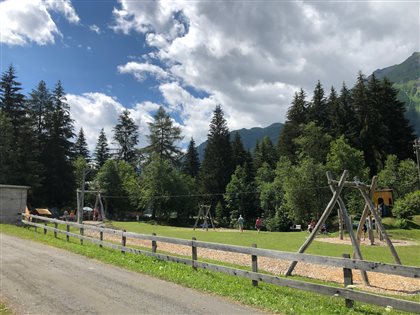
[(369, 209), (205, 215), (98, 202)]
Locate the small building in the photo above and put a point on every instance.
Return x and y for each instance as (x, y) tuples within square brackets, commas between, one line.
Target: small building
[(12, 203), (383, 196)]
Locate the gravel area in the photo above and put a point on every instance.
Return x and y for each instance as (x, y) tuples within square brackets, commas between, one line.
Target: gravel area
[(378, 282)]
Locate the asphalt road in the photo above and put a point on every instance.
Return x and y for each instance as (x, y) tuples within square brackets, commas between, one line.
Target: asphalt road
[(38, 279)]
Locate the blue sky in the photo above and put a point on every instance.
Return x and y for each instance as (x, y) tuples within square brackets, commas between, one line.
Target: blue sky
[(189, 56)]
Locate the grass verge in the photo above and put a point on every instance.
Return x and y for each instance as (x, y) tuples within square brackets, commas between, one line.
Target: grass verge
[(268, 297)]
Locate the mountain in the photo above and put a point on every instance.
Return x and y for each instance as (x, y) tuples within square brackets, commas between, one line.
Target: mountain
[(250, 137), (406, 79)]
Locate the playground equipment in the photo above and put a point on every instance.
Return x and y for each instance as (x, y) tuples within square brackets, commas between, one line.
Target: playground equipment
[(205, 215), (369, 209), (98, 202)]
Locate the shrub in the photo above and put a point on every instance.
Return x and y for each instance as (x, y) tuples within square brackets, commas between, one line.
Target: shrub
[(408, 206), (401, 224)]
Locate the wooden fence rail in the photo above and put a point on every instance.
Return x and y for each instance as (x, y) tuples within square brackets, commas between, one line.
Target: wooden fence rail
[(345, 263)]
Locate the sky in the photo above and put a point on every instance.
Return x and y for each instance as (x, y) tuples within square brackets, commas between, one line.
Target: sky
[(250, 57)]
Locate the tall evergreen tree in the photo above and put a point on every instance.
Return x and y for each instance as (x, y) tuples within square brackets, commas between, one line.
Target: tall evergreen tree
[(126, 137), (59, 183), (318, 111), (39, 105), (22, 160), (298, 111), (101, 151), (163, 137), (265, 152), (346, 119), (80, 146), (400, 134), (239, 154), (216, 168), (6, 148), (191, 163)]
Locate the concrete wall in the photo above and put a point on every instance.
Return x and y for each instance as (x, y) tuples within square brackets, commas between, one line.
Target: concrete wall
[(12, 202)]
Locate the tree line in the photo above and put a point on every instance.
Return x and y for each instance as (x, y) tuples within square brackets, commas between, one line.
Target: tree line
[(362, 129)]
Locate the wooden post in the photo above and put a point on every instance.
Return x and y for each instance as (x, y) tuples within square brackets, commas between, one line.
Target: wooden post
[(68, 230), (340, 225), (366, 211), (381, 227), (82, 232), (101, 237), (348, 280), (45, 230), (194, 253), (55, 232), (154, 244), (321, 221), (254, 259), (123, 241)]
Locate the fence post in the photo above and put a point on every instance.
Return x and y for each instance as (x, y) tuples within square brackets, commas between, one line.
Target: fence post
[(123, 241), (194, 253), (82, 232), (154, 244), (68, 230), (45, 230), (55, 231), (254, 259), (101, 237), (348, 280)]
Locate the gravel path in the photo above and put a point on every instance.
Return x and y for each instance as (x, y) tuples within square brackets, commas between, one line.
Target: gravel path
[(39, 279), (378, 282)]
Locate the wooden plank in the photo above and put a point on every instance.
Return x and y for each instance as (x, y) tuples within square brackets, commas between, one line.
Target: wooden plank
[(194, 253), (321, 220), (154, 245), (348, 184), (405, 271), (254, 264)]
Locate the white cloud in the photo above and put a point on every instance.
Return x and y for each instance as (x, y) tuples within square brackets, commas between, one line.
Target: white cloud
[(251, 56), (27, 21), (140, 70), (94, 111), (95, 28)]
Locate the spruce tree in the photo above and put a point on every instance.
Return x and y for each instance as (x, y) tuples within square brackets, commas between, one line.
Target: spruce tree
[(239, 154), (40, 104), (101, 151), (318, 110), (80, 146), (126, 137), (347, 122), (191, 163), (298, 111), (216, 168), (265, 152), (164, 136)]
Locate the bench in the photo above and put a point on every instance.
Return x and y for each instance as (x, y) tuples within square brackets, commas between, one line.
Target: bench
[(296, 227)]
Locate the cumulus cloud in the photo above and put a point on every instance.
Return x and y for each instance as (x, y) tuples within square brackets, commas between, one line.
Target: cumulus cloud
[(94, 111), (141, 70), (252, 56), (95, 28), (27, 21)]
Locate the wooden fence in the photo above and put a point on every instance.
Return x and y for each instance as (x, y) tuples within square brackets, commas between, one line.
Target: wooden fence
[(347, 264)]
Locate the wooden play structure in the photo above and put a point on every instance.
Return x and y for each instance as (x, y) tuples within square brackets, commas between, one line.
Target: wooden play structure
[(369, 211), (204, 214), (99, 207)]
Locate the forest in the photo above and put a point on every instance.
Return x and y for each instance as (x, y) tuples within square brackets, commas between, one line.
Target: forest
[(362, 129)]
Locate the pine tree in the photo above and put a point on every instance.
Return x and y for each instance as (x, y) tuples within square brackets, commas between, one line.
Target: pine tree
[(80, 146), (163, 136), (23, 168), (298, 111), (101, 151), (265, 152), (126, 137), (40, 104), (347, 122), (59, 183), (318, 110), (239, 154), (216, 168), (400, 134), (191, 163)]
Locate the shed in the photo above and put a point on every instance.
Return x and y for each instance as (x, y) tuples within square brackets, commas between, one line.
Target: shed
[(383, 196), (12, 202)]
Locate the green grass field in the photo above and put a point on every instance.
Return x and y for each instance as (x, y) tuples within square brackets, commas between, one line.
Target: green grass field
[(287, 241), (270, 298)]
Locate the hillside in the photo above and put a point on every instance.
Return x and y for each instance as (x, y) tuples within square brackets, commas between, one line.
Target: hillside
[(406, 78), (250, 137)]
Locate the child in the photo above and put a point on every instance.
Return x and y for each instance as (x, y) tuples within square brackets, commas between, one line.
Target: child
[(258, 224)]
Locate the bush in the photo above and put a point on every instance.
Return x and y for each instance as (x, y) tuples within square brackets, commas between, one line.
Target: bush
[(401, 224), (408, 206)]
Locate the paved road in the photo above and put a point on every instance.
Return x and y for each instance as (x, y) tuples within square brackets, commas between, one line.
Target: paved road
[(38, 279)]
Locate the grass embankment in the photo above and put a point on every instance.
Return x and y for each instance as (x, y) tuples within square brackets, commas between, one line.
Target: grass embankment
[(4, 310), (268, 297)]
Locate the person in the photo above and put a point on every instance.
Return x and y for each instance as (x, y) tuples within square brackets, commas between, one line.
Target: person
[(66, 215), (258, 224), (311, 226), (241, 223), (364, 229), (324, 229), (71, 216)]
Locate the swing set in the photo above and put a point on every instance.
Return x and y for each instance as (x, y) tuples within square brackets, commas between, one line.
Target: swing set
[(98, 209)]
